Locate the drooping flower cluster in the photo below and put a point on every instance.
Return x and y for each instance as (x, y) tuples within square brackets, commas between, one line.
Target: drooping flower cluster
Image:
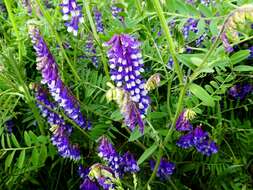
[(194, 137), (200, 140), (226, 43), (190, 25), (240, 91), (98, 20), (165, 169), (50, 76), (239, 18), (126, 66), (119, 164), (153, 82), (61, 131), (183, 122), (72, 14), (98, 176), (91, 50)]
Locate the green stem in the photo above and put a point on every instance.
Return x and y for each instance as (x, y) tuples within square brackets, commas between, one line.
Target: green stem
[(11, 16), (95, 34), (138, 6), (58, 39), (166, 139), (168, 95), (168, 36)]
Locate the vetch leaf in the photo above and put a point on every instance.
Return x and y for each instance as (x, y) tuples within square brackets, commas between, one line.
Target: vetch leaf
[(9, 159), (239, 56), (202, 94), (15, 141), (243, 68), (116, 116), (157, 115), (135, 135), (3, 141), (27, 139), (148, 152), (35, 157), (8, 141), (43, 153), (21, 159)]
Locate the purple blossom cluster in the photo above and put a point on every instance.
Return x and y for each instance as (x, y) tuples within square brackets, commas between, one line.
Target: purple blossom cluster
[(9, 124), (126, 66), (97, 176), (170, 64), (98, 20), (190, 25), (91, 51), (116, 12), (251, 52), (61, 131), (50, 76), (194, 137), (200, 40), (165, 169), (240, 91), (72, 15), (205, 2), (119, 164)]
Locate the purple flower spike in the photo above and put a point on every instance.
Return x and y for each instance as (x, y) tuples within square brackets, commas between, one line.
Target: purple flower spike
[(60, 139), (91, 50), (200, 40), (98, 20), (72, 15), (61, 131), (165, 169), (119, 164), (116, 11), (186, 141), (199, 135), (109, 154), (190, 25), (83, 172), (50, 76), (207, 148), (130, 164), (183, 124), (126, 66), (88, 185)]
